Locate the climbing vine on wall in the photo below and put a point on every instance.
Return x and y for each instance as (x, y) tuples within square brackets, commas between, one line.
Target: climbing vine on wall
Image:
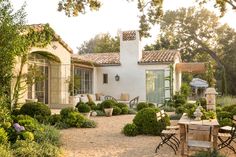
[(33, 36), (39, 37)]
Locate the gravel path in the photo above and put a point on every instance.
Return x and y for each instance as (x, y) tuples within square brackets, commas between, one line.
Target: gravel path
[(107, 141)]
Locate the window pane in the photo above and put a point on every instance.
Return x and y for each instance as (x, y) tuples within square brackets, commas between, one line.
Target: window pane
[(105, 78), (155, 90), (85, 78)]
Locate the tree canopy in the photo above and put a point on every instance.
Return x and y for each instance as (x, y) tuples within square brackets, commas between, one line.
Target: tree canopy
[(198, 34), (11, 43), (99, 44), (150, 11)]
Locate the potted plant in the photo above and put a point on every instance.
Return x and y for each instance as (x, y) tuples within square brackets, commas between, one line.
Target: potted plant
[(108, 107), (84, 109)]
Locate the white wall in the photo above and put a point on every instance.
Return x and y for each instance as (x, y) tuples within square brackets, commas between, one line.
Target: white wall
[(177, 76), (132, 80), (58, 88), (132, 75)]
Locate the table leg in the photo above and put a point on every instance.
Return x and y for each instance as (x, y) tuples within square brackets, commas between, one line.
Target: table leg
[(182, 137), (215, 137)]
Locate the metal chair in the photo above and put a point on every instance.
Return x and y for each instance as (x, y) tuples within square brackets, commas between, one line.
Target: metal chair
[(199, 131), (133, 102), (108, 97), (168, 136), (226, 139)]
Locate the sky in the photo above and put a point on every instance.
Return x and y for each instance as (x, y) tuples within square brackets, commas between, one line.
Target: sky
[(114, 15)]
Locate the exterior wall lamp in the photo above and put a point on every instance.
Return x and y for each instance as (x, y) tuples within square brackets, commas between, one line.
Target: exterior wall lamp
[(117, 77)]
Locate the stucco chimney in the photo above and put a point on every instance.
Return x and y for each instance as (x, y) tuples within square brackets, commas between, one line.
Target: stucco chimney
[(130, 46)]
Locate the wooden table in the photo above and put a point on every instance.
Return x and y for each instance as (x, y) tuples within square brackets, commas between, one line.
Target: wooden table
[(184, 121)]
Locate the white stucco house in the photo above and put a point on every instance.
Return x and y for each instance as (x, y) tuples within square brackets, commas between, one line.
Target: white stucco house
[(151, 75)]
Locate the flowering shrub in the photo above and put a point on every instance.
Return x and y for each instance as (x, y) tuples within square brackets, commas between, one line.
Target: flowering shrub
[(18, 128)]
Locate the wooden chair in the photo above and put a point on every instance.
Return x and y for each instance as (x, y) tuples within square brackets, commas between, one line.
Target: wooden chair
[(133, 102), (108, 97), (199, 131), (168, 136), (228, 137)]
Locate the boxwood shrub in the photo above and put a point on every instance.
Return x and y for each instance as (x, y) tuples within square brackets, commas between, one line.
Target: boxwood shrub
[(79, 103), (130, 130), (34, 109), (84, 108), (74, 119), (116, 110), (151, 104), (124, 110), (107, 104), (146, 121), (65, 112), (121, 105), (55, 118), (142, 105)]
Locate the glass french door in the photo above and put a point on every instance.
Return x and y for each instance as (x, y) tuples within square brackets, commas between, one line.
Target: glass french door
[(39, 90), (41, 87), (155, 86)]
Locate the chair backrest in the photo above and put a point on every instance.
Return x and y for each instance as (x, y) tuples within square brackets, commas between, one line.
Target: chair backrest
[(233, 128), (163, 113), (199, 130), (133, 102), (158, 114), (108, 97)]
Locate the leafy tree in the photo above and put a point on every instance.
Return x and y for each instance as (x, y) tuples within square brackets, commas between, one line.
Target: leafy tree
[(198, 34), (11, 43), (221, 4), (99, 44), (16, 39), (150, 10)]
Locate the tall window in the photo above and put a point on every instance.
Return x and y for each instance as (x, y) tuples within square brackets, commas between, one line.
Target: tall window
[(39, 89), (155, 86), (105, 78), (84, 76)]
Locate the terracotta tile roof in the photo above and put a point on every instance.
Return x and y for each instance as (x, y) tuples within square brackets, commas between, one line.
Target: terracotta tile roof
[(159, 56), (149, 57), (99, 58), (39, 27)]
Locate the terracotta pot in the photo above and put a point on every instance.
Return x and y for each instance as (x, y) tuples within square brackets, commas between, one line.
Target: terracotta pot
[(108, 111)]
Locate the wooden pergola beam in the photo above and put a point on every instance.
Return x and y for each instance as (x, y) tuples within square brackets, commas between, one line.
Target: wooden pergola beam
[(191, 67)]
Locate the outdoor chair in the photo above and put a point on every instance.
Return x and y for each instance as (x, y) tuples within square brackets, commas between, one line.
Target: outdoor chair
[(228, 136), (133, 102), (199, 131), (168, 136), (108, 97)]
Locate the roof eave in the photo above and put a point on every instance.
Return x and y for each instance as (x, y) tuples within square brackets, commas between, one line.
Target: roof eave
[(155, 63), (105, 65)]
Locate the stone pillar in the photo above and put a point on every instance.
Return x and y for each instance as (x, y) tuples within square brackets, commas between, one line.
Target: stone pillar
[(211, 98)]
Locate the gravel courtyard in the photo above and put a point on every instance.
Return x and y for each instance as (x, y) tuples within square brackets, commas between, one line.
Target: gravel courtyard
[(107, 141)]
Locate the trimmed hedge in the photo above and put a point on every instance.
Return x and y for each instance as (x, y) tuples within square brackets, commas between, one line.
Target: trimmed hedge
[(116, 110), (65, 112), (130, 130), (124, 110), (84, 108), (146, 121), (107, 104), (142, 105), (35, 109)]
